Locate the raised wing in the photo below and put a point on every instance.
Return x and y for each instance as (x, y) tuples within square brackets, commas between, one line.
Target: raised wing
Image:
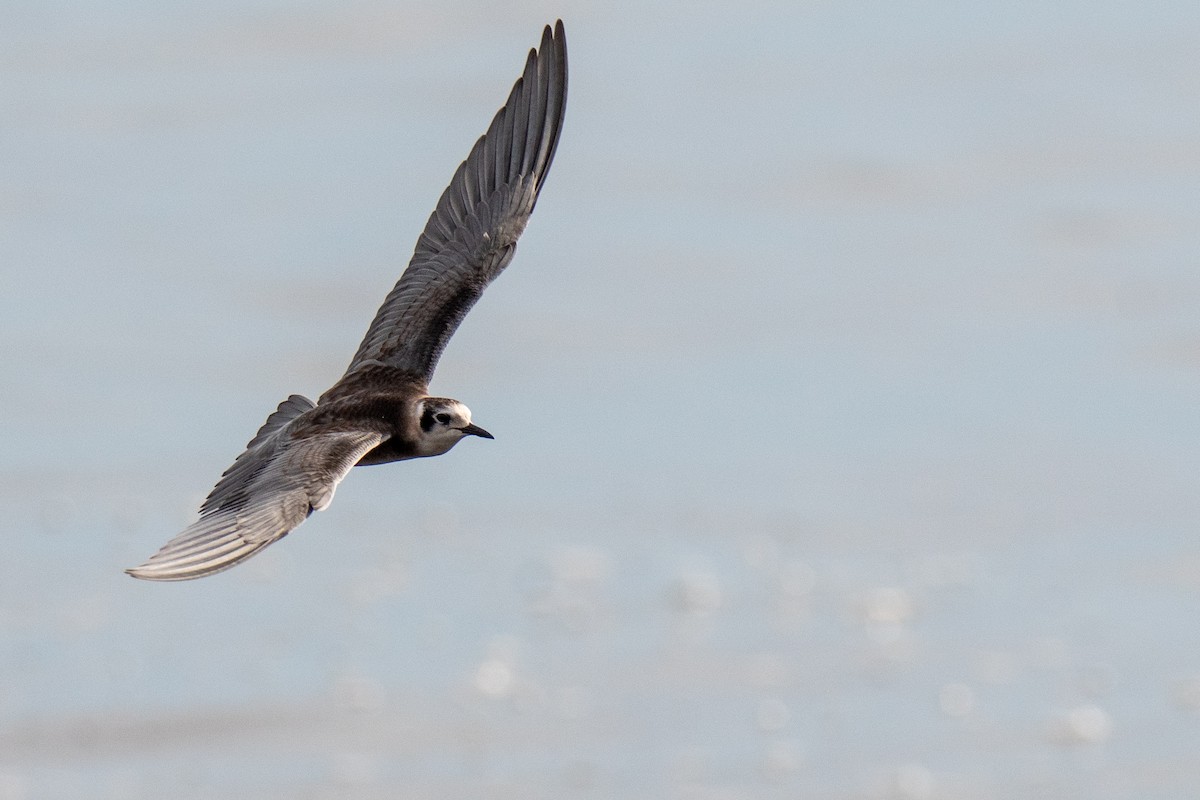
[(270, 489), (471, 235)]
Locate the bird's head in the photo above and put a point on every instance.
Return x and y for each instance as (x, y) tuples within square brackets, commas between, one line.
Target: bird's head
[(443, 423)]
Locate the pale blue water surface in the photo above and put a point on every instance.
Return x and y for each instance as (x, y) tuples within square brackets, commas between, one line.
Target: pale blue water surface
[(845, 385)]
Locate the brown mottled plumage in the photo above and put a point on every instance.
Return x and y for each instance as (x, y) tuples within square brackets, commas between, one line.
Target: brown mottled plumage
[(380, 410)]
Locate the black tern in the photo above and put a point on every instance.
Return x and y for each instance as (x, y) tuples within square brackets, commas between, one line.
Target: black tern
[(380, 410)]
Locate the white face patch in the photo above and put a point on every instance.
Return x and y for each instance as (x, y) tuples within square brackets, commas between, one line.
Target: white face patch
[(441, 422)]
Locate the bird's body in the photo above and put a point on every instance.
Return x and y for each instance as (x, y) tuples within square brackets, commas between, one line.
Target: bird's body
[(380, 410)]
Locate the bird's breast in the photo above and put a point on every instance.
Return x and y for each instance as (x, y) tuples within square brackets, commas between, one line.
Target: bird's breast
[(396, 448)]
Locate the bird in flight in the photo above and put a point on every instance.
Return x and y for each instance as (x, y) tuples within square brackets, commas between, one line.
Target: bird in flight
[(380, 410)]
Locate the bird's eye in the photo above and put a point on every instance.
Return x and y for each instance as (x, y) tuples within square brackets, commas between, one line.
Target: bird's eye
[(442, 418)]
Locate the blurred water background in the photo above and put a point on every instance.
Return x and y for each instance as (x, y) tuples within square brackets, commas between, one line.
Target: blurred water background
[(845, 391)]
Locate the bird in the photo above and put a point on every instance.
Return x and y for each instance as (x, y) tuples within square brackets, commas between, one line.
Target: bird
[(381, 410)]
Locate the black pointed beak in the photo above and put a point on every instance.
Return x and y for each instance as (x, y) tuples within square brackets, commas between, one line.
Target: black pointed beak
[(475, 430)]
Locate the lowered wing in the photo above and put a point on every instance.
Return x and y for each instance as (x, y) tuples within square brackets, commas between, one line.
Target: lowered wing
[(271, 488)]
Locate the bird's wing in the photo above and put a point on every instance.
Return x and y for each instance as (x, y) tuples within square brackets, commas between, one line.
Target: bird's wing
[(471, 234), (238, 479), (268, 491), (287, 411)]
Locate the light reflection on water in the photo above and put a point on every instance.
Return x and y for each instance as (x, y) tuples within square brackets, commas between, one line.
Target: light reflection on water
[(844, 390)]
